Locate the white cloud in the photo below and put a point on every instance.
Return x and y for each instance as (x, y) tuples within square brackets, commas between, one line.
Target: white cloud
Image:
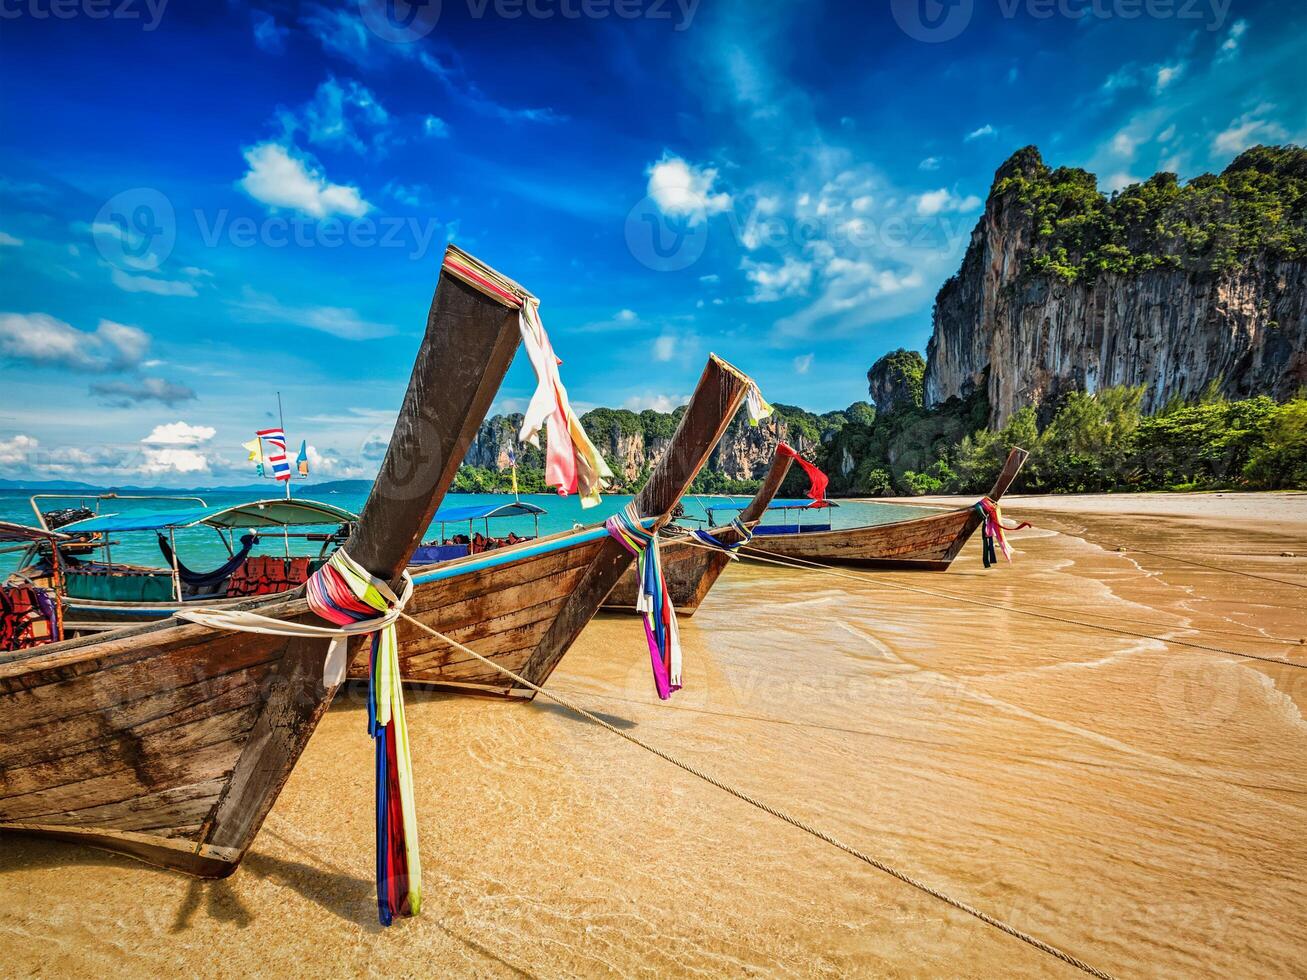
[(435, 127), (1124, 144), (1119, 181), (664, 347), (1230, 46), (341, 115), (1127, 76), (981, 133), (680, 188), (772, 282), (1248, 130), (159, 462), (711, 279), (656, 402), (337, 321), (803, 363), (928, 164), (944, 201), (626, 316), (39, 338), (15, 451), (1167, 74), (862, 204), (1168, 134), (149, 284), (282, 181), (179, 434), (10, 240)]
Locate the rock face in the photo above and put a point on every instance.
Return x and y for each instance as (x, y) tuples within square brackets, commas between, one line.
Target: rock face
[(895, 381), (633, 444), (1031, 336), (495, 439)]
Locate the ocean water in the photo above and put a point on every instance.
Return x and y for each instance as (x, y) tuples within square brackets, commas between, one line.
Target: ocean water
[(202, 547)]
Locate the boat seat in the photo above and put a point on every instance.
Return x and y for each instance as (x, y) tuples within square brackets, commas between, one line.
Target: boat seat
[(26, 618), (268, 575)]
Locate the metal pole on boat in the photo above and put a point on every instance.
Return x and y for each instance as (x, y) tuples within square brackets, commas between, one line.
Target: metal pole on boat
[(281, 420)]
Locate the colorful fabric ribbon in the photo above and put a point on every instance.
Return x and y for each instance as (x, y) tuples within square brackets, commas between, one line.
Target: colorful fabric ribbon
[(817, 480), (754, 404), (991, 526), (652, 599), (343, 592), (572, 463), (741, 529)]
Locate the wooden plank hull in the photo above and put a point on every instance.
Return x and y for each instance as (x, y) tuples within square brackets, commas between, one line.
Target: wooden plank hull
[(170, 742), (924, 543)]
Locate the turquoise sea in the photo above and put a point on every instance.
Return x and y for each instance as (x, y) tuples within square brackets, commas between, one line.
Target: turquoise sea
[(202, 547)]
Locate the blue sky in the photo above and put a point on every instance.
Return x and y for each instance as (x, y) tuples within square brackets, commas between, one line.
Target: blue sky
[(202, 207)]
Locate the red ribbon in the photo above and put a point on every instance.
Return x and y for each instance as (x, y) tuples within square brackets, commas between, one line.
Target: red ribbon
[(817, 480)]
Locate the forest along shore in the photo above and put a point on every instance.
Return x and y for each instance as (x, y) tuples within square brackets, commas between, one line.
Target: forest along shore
[(1135, 802)]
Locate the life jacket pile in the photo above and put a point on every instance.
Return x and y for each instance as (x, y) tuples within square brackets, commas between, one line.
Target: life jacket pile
[(26, 618), (267, 575)]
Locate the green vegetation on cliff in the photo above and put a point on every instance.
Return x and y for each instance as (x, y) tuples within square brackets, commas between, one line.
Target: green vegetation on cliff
[(1256, 206), (1093, 443)]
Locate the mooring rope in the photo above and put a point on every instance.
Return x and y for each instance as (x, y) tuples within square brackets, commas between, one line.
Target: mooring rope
[(1242, 634), (1215, 568), (793, 821), (786, 561)]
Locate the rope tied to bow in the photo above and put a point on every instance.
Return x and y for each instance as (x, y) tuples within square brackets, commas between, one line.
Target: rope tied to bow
[(344, 593), (992, 530), (744, 532), (652, 599)]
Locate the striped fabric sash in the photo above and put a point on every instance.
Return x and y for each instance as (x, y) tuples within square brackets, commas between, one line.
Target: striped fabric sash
[(343, 592), (746, 535), (991, 525), (652, 599)]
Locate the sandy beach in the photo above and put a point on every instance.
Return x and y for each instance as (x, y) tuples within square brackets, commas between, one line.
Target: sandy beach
[(1077, 750)]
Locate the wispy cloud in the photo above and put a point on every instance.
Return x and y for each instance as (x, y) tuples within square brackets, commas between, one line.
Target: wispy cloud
[(337, 321), (39, 338), (984, 132)]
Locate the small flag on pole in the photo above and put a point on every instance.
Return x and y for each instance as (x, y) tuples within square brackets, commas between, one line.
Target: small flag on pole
[(280, 466), (512, 461), (276, 438), (302, 460), (255, 448)]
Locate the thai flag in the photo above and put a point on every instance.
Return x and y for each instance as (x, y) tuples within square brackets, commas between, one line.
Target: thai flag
[(275, 437), (280, 466)]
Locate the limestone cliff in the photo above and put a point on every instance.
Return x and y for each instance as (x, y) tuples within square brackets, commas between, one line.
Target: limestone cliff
[(1165, 286)]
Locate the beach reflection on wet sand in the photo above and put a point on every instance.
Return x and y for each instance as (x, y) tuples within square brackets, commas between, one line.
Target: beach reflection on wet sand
[(1136, 803)]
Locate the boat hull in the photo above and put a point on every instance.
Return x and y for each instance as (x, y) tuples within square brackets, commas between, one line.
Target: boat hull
[(922, 543)]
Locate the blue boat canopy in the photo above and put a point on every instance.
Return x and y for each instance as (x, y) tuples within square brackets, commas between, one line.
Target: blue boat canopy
[(477, 512), (259, 513), (803, 504)]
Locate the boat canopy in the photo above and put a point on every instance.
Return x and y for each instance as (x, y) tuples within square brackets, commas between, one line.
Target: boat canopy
[(10, 532), (803, 504), (260, 513), (477, 512)]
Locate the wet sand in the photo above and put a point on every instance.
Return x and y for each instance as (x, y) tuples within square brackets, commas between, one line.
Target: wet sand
[(1136, 802)]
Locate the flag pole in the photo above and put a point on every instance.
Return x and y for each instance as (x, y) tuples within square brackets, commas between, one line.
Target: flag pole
[(281, 419)]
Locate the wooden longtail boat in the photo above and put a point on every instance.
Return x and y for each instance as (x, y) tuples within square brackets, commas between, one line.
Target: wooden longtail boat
[(171, 742), (924, 543), (690, 569), (522, 606)]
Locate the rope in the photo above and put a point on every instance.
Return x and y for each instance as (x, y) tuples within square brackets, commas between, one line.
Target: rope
[(793, 821), (786, 561), (1215, 568)]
